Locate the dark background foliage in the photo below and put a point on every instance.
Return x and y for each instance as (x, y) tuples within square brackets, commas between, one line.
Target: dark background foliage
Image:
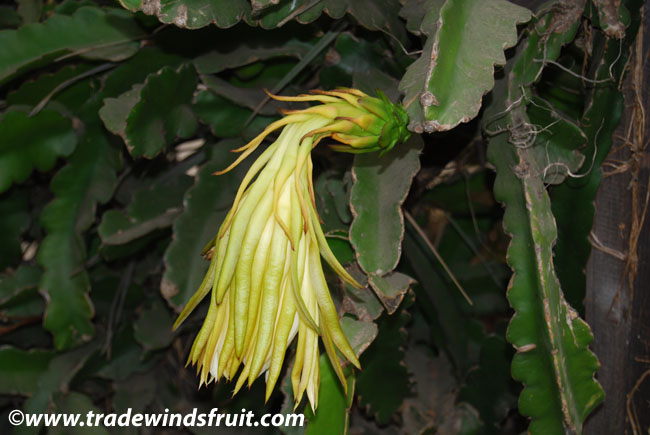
[(115, 116)]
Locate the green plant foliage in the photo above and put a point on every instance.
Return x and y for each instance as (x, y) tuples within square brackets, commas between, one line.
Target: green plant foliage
[(11, 286), (246, 97), (155, 206), (67, 403), (22, 369), (147, 61), (552, 360), (414, 12), (489, 386), (354, 56), (153, 328), (30, 10), (456, 333), (127, 357), (249, 54), (19, 298), (94, 33), (225, 118), (332, 200), (14, 220), (206, 204), (391, 288), (54, 381), (430, 410), (113, 122), (9, 18), (194, 14), (443, 91), (135, 392), (88, 178), (573, 201), (363, 304), (377, 205), (153, 114), (384, 360), (562, 370), (361, 333), (331, 397), (32, 142), (562, 140)]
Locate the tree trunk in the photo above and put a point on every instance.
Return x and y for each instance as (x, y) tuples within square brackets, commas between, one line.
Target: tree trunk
[(618, 312)]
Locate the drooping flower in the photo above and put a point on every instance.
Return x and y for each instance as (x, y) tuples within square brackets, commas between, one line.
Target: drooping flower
[(265, 276)]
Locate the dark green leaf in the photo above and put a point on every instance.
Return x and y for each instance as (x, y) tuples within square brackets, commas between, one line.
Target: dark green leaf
[(9, 18), (414, 11), (610, 20), (25, 278), (573, 200), (77, 403), (458, 334), (116, 111), (67, 7), (192, 14), (21, 369), (380, 187), (362, 303), (126, 358), (245, 97), (147, 61), (489, 387), (562, 140), (14, 219), (30, 10), (249, 52), (360, 333), (340, 245), (333, 413), (135, 392), (258, 5), (284, 11), (227, 119), (153, 328), (352, 55), (28, 142), (88, 179), (384, 382), (332, 201), (373, 79), (88, 30), (152, 115), (432, 408), (26, 308), (155, 206), (391, 288), (56, 379), (445, 86), (553, 359), (32, 92), (206, 205), (372, 14)]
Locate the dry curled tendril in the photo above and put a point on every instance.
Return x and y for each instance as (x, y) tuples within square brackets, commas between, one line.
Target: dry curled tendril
[(265, 276)]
